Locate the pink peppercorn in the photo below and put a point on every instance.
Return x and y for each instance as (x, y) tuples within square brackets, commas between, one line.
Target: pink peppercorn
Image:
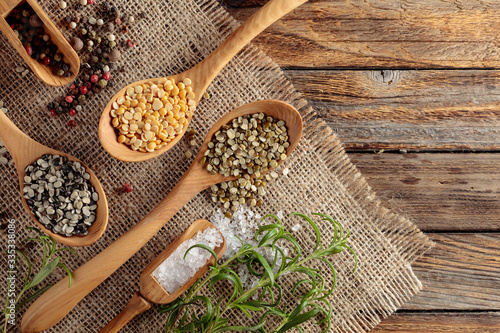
[(88, 85), (46, 60), (72, 112), (106, 76), (94, 78), (53, 113), (127, 188), (72, 123), (118, 21), (83, 90), (130, 43), (90, 2), (72, 87), (69, 99), (28, 50)]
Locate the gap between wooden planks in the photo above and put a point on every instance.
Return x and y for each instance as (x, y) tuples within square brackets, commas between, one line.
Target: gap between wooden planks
[(430, 110), (460, 273), (381, 33), (485, 322), (438, 192)]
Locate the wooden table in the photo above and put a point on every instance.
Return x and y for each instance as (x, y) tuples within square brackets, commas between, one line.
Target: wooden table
[(412, 87)]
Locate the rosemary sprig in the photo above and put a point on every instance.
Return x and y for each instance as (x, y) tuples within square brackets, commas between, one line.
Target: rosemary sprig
[(50, 261), (264, 299)]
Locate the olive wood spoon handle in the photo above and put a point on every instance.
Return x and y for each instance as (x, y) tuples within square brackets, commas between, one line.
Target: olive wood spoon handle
[(135, 306)]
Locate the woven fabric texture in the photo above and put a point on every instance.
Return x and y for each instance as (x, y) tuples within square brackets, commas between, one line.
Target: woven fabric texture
[(176, 35)]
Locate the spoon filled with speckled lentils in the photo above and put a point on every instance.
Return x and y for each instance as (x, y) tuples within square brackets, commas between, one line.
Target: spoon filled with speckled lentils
[(60, 193)]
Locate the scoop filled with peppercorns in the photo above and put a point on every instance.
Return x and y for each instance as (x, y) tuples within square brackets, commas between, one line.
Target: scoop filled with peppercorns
[(40, 43), (61, 195)]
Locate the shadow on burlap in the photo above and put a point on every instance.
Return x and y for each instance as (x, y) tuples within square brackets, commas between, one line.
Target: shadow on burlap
[(321, 178)]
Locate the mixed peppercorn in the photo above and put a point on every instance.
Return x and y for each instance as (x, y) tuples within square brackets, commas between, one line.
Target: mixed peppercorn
[(99, 40), (28, 27)]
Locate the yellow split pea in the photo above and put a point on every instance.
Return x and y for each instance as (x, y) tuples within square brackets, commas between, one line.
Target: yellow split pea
[(152, 114)]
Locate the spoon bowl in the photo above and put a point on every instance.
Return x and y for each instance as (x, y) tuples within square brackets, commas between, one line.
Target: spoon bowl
[(201, 76), (43, 72), (24, 152), (56, 302), (151, 290)]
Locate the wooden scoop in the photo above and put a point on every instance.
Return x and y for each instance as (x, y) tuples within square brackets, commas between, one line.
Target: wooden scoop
[(24, 152), (201, 76), (43, 72), (56, 302), (151, 290)]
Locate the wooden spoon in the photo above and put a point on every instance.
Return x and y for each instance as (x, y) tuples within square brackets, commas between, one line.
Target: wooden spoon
[(56, 302), (43, 72), (25, 151), (201, 76), (151, 290)]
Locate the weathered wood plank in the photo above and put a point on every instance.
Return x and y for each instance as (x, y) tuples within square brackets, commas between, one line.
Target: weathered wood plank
[(383, 34), (461, 273), (437, 191), (482, 322), (412, 110)]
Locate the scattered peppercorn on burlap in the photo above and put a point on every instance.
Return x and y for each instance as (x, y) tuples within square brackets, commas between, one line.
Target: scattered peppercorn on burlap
[(176, 35)]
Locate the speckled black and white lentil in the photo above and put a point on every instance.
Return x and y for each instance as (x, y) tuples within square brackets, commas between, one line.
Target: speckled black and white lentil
[(60, 195)]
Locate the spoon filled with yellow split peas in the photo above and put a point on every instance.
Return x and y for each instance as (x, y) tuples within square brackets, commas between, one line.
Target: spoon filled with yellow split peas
[(147, 118)]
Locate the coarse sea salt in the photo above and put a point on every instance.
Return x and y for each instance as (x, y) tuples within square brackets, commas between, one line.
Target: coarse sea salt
[(175, 271), (243, 224)]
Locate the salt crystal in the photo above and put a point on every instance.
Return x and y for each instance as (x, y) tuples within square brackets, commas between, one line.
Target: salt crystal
[(243, 224), (176, 270), (296, 227)]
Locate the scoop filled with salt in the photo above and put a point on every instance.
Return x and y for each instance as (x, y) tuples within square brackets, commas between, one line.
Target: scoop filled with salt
[(173, 271)]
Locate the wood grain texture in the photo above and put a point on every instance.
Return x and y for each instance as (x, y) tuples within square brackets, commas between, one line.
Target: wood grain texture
[(460, 273), (486, 322), (413, 110), (382, 34), (437, 191)]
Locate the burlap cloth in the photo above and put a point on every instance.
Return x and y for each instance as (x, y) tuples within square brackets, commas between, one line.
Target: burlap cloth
[(176, 35)]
